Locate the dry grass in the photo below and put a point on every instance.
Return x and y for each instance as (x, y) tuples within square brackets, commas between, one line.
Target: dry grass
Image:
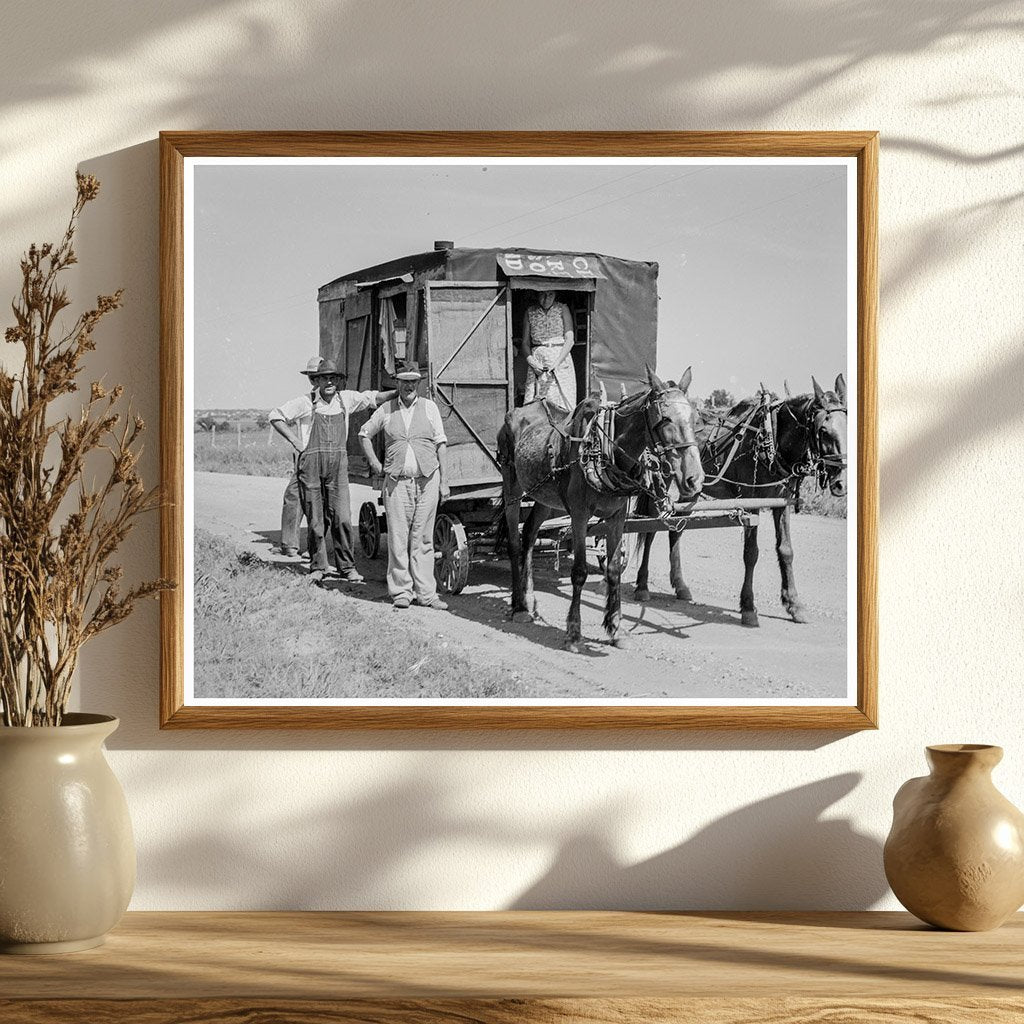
[(263, 632), (247, 453), (817, 502)]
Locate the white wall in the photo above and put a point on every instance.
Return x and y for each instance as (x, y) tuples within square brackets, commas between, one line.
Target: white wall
[(731, 820)]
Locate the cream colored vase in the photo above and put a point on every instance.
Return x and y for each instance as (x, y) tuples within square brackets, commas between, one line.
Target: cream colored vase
[(955, 855), (67, 856)]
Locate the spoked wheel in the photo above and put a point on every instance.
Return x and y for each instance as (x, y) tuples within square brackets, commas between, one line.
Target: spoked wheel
[(369, 529), (451, 554)]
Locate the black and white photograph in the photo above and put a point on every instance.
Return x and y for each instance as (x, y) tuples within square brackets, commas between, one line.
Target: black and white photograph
[(520, 431)]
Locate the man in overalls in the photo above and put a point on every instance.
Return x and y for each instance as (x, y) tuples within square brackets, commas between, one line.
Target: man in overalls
[(291, 514), (320, 437), (414, 479)]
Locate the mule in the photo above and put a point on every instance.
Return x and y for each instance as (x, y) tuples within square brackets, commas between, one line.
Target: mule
[(544, 456), (807, 434)]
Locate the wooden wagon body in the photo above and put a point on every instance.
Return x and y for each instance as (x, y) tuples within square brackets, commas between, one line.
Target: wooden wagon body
[(458, 312)]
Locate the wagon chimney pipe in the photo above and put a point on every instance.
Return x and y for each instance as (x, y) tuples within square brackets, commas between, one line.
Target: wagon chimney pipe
[(442, 245)]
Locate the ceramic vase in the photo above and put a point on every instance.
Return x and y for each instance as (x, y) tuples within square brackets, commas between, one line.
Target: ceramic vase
[(955, 855), (67, 855)]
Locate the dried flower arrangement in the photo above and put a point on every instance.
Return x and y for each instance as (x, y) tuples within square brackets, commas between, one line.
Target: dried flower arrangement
[(58, 533)]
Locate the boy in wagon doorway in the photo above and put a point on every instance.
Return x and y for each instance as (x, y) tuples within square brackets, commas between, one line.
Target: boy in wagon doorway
[(414, 479), (316, 426)]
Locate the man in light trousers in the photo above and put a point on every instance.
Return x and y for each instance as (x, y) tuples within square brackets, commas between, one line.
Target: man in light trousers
[(414, 479)]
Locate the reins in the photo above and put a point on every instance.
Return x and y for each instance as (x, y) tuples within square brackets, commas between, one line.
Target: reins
[(739, 430)]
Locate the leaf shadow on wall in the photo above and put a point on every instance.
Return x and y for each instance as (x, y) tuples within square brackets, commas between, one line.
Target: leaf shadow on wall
[(964, 418), (778, 853), (403, 843), (200, 63)]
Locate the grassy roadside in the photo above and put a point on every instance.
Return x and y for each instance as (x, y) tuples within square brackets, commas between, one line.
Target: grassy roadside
[(817, 502), (252, 453), (261, 632)]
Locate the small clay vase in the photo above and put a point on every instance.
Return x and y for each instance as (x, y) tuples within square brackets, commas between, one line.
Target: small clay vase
[(955, 854)]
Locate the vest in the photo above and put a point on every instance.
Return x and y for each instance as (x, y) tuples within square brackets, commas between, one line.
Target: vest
[(397, 440)]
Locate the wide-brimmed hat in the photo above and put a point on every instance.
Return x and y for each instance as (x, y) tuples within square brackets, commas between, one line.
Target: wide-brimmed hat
[(317, 365), (408, 371)]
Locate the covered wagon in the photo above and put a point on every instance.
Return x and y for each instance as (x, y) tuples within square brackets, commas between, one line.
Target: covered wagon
[(459, 314)]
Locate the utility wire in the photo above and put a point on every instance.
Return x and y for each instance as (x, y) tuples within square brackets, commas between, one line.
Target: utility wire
[(284, 303), (548, 206), (744, 213), (610, 202)]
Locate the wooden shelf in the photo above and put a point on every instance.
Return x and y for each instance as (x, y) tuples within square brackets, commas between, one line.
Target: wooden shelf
[(425, 968)]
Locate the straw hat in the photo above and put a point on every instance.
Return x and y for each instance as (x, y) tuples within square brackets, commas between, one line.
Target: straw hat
[(317, 365), (408, 371)]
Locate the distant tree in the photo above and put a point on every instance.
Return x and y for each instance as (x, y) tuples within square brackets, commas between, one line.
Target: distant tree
[(205, 422), (262, 421), (224, 425), (721, 399)]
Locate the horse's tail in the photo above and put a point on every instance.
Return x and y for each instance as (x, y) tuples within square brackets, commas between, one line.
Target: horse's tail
[(507, 462), (643, 508), (504, 436), (499, 527)]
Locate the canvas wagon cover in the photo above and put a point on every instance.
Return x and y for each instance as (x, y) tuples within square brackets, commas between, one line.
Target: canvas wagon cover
[(624, 322)]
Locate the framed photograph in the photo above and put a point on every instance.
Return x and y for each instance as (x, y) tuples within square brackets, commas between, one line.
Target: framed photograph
[(486, 430)]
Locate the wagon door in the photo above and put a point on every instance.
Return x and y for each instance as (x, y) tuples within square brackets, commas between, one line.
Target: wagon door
[(470, 354)]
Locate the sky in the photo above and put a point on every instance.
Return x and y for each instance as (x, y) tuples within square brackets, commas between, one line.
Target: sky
[(753, 257)]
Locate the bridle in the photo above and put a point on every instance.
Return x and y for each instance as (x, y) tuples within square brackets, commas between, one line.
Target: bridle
[(654, 462), (652, 466), (655, 436), (824, 465)]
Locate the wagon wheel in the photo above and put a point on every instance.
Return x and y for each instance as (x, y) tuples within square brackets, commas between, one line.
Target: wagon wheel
[(451, 554), (369, 529)]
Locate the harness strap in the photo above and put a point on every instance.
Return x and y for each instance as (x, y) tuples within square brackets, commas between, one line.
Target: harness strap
[(596, 452), (567, 437), (815, 461), (739, 430)]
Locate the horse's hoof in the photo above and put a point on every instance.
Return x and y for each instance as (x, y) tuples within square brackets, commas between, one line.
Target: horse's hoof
[(572, 646), (683, 594), (799, 614), (618, 641), (749, 619), (642, 595), (522, 617)]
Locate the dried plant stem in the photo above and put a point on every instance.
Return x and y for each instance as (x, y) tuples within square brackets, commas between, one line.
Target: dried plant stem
[(58, 588)]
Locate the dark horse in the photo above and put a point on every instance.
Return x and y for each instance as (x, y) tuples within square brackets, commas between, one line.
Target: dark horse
[(761, 450), (590, 464)]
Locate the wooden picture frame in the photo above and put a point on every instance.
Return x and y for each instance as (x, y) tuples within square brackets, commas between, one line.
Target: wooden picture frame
[(857, 711)]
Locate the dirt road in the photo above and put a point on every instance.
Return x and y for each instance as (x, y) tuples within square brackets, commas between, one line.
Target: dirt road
[(675, 649)]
